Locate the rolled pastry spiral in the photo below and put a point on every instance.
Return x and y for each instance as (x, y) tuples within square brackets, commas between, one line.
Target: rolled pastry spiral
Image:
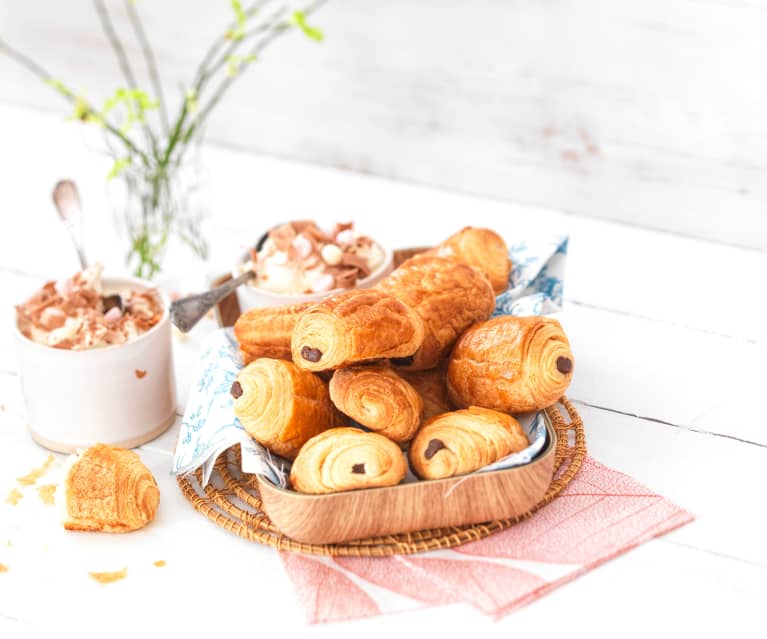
[(353, 327), (482, 248), (109, 489), (376, 397), (266, 331), (511, 364), (280, 405), (447, 295), (463, 441), (346, 459), (431, 385)]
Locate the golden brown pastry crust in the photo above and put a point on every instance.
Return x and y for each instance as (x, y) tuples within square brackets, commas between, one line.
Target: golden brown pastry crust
[(266, 331), (376, 397), (448, 296), (280, 405), (482, 248), (354, 327), (511, 364), (109, 489), (347, 459), (463, 441), (431, 385)]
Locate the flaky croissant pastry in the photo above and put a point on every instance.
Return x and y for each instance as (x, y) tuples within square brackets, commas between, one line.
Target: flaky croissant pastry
[(511, 364), (431, 385), (109, 489), (376, 397), (482, 248), (354, 327), (266, 331), (463, 441), (447, 295), (280, 405), (345, 459)]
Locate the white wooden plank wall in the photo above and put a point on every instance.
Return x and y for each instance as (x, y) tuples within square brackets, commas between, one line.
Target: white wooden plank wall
[(651, 113)]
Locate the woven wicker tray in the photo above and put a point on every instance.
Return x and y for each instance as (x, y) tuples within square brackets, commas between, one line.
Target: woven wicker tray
[(232, 501)]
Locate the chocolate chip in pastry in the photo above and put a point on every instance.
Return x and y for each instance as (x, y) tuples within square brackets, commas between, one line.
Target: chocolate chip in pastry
[(266, 331), (353, 327), (511, 364), (463, 441), (280, 405), (347, 459), (109, 489), (378, 398), (447, 295), (482, 248)]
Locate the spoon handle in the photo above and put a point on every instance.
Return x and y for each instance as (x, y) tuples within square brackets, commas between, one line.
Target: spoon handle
[(186, 312)]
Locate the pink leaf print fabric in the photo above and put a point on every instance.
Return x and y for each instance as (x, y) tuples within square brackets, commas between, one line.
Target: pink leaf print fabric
[(601, 514)]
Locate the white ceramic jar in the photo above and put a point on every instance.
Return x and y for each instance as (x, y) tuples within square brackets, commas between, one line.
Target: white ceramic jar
[(124, 395)]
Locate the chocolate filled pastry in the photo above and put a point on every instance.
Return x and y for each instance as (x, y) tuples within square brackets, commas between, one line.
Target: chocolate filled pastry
[(463, 441), (346, 459), (482, 248), (266, 331), (353, 327), (280, 405), (431, 385), (109, 489), (447, 295), (376, 397), (511, 364)]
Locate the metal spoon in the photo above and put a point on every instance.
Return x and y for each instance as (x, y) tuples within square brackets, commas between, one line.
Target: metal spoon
[(67, 201), (186, 312)]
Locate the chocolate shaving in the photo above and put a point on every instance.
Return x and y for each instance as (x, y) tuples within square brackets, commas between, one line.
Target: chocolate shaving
[(435, 445), (351, 259), (282, 236)]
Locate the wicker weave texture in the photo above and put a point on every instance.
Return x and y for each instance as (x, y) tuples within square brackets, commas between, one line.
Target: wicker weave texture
[(231, 501)]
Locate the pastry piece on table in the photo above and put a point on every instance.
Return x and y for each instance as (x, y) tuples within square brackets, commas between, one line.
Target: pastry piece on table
[(109, 489), (463, 441), (482, 248), (511, 364), (266, 331), (353, 327), (431, 385), (280, 405), (447, 295), (346, 459), (376, 397)]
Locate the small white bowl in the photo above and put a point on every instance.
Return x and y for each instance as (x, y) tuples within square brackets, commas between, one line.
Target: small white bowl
[(124, 395), (251, 296)]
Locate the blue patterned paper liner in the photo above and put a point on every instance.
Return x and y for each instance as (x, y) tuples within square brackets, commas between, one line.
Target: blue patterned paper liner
[(209, 426)]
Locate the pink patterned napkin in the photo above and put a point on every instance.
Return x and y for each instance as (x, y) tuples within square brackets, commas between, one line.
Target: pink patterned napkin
[(601, 514)]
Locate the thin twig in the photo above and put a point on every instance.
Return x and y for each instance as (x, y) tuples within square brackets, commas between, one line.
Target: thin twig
[(151, 61), (46, 77), (122, 60)]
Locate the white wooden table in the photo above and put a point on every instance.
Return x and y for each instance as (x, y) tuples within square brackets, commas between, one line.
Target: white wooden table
[(670, 339)]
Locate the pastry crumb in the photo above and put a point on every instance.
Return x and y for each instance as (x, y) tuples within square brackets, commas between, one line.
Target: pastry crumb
[(160, 563), (139, 373), (14, 497), (46, 494), (33, 475), (3, 568), (109, 577)]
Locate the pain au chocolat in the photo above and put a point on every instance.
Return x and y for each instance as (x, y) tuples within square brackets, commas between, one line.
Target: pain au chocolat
[(280, 405), (511, 364), (266, 331), (346, 459), (463, 441)]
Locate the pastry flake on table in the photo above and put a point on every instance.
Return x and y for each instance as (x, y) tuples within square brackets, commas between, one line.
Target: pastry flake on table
[(379, 399), (36, 473), (511, 364), (74, 314), (346, 459), (109, 489), (14, 497), (482, 248), (160, 563), (447, 295), (109, 577), (354, 327), (3, 568), (280, 405), (463, 441), (46, 494)]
